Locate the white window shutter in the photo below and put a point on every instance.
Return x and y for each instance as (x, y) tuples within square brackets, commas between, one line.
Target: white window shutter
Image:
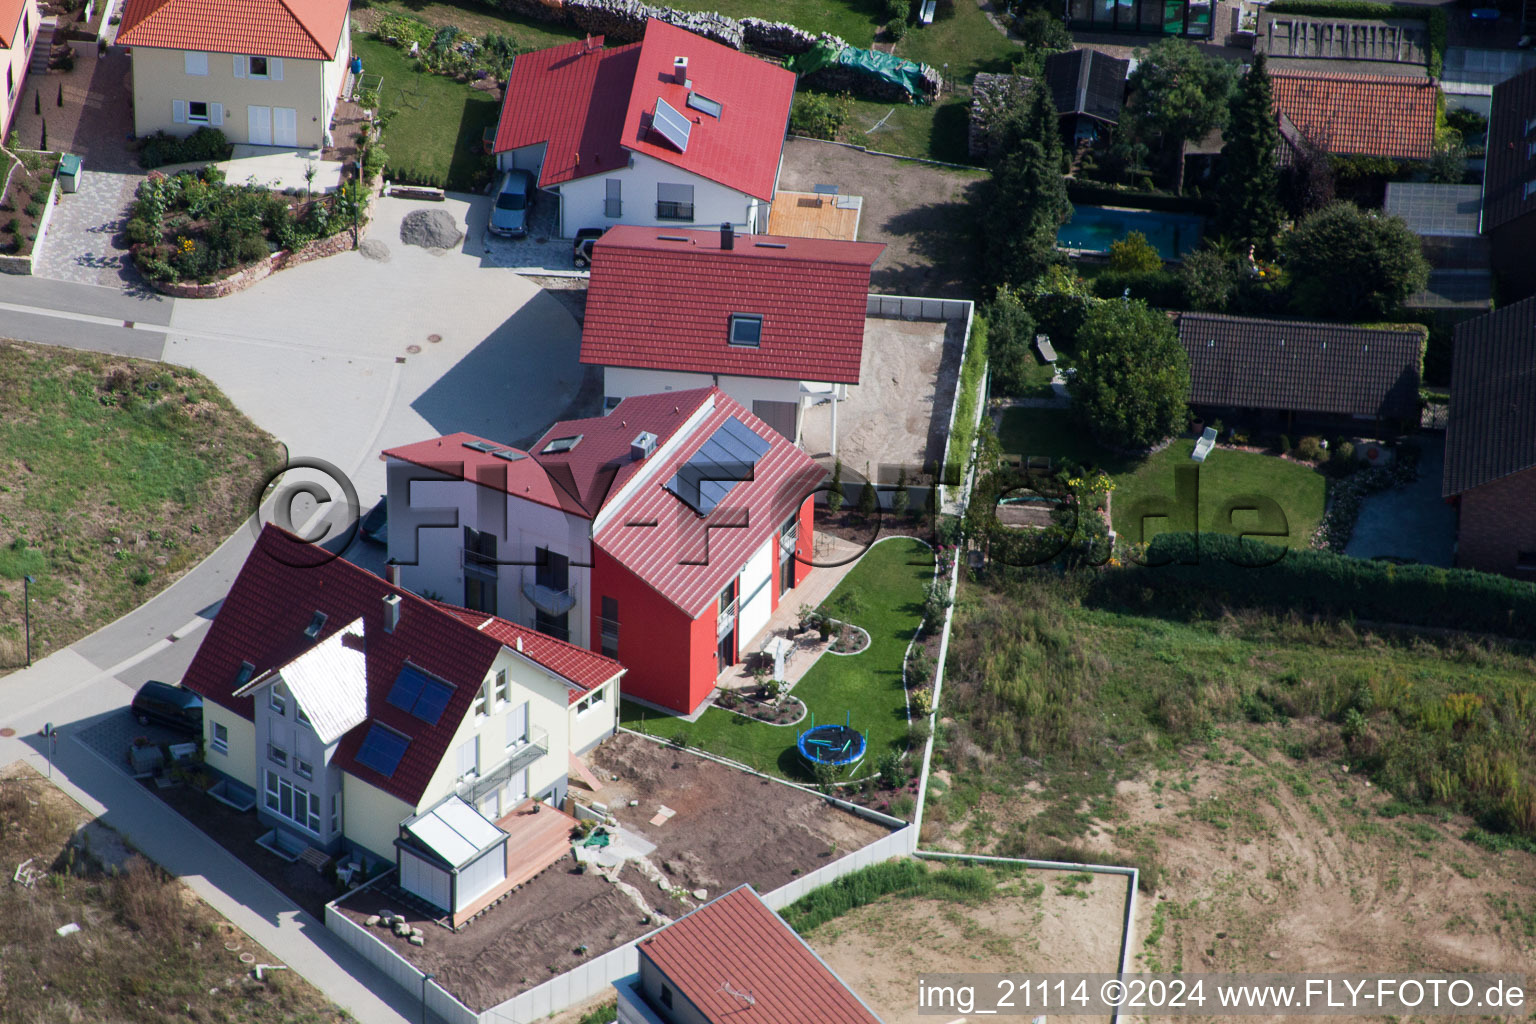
[(179, 111), (241, 63), (275, 68), (216, 114)]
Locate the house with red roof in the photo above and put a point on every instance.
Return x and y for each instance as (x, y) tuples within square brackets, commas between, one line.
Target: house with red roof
[(264, 72), (675, 129), (776, 322), (18, 35), (663, 534), (375, 724), (1355, 115), (731, 961)]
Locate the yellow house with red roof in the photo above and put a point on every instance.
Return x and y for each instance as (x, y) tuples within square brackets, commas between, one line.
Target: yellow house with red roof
[(264, 72), (18, 34)]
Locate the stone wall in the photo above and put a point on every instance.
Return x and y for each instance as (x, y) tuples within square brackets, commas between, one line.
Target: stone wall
[(624, 20), (246, 276), (781, 38)]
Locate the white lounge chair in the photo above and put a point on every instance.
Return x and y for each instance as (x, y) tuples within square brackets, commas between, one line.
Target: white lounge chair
[(1205, 445), (926, 15)]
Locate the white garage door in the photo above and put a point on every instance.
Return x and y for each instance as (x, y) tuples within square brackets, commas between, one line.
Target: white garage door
[(424, 879), (756, 595)]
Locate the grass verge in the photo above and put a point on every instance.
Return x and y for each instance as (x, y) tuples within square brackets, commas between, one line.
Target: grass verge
[(884, 595), (147, 949), (435, 135), (120, 474), (904, 877), (968, 397)]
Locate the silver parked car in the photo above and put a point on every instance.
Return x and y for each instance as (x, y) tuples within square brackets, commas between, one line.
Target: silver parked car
[(513, 201)]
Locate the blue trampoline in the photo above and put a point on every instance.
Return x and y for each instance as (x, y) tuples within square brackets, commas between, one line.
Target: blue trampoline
[(836, 745)]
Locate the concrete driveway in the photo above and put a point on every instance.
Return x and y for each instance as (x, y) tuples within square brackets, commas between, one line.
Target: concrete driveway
[(348, 355)]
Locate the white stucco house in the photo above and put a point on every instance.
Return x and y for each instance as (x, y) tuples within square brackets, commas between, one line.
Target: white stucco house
[(673, 130)]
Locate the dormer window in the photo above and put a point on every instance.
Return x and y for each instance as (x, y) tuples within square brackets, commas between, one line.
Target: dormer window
[(746, 330)]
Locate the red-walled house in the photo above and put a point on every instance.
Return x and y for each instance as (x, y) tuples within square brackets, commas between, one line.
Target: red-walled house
[(663, 534)]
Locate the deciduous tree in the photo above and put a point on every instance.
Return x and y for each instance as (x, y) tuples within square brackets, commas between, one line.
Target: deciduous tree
[(1131, 379), (1346, 263), (1178, 95)]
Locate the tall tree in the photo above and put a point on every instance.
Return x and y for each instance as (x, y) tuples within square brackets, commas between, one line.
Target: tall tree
[(1249, 192), (1026, 200), (1346, 263), (1131, 379), (1179, 95)]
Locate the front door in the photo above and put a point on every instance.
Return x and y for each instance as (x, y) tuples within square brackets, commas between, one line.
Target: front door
[(285, 126), (259, 125)]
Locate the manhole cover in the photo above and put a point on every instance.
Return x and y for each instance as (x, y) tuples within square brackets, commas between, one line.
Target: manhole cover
[(413, 349), (434, 338), (7, 731)]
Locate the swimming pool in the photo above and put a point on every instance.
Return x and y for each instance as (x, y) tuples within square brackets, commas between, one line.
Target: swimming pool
[(1093, 228)]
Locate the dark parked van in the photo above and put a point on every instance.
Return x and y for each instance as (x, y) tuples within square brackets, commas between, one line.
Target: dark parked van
[(169, 705)]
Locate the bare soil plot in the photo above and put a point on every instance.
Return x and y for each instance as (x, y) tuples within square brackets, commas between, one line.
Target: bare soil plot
[(147, 950), (1039, 921), (728, 828), (922, 212)]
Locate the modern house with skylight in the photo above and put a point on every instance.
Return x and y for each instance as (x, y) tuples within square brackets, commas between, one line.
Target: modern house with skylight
[(662, 534), (776, 322), (371, 724), (673, 130)]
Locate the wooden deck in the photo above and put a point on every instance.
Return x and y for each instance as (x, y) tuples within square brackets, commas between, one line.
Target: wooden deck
[(815, 215), (536, 841)]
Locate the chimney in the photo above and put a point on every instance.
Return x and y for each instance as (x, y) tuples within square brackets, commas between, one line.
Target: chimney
[(642, 446), (391, 612), (519, 645), (680, 70), (392, 573), (727, 237)]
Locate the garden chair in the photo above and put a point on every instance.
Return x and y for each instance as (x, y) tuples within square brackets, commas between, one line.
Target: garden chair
[(1204, 446)]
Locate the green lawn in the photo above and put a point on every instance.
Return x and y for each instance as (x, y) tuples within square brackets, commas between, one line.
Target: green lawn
[(884, 595), (478, 18), (1299, 489), (120, 474), (435, 135)]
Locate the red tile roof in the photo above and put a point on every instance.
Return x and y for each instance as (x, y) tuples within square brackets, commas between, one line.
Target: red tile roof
[(737, 944), (687, 558), (1374, 115), (285, 581), (812, 294), (575, 665), (590, 105), (578, 481), (10, 20), (740, 148), (301, 29), (570, 97)]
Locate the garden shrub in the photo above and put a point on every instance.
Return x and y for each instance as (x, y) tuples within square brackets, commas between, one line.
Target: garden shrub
[(1133, 254), (1310, 448), (1161, 288), (204, 144), (404, 31), (896, 28), (819, 115)]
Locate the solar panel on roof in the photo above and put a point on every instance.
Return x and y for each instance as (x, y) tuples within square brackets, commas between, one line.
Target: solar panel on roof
[(672, 125), (382, 749), (418, 693), (725, 460)]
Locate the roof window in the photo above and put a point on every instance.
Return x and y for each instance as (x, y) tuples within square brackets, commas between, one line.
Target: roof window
[(746, 330), (560, 444), (704, 105)]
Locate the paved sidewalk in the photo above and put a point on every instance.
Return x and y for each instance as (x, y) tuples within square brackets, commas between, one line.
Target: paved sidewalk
[(66, 686)]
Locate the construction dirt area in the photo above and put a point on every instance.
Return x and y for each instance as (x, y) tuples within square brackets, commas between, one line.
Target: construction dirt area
[(1035, 922), (898, 415), (922, 212), (726, 828), (1271, 864)]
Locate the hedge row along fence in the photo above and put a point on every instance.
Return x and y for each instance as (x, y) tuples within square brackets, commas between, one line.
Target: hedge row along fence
[(1193, 570), (1437, 24)]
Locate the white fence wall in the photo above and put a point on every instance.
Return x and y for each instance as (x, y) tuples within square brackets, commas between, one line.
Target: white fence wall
[(912, 307), (399, 970), (571, 987), (897, 844)]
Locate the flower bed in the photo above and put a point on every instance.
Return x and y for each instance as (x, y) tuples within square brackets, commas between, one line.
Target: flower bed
[(193, 227), (26, 198), (1347, 495), (786, 710)]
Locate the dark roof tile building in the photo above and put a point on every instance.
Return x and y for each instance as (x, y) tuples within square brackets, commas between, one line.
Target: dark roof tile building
[(1509, 185)]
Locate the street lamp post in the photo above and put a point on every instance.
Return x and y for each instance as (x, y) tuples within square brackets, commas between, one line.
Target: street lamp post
[(424, 979), (26, 602)]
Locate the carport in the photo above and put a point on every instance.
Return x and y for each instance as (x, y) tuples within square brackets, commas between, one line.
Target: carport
[(450, 855)]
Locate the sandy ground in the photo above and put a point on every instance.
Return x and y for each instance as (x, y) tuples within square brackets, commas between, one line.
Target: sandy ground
[(921, 212), (1270, 864), (1042, 923)]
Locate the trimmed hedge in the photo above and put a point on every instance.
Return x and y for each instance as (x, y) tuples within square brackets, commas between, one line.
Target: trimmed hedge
[(1249, 573), (160, 149)]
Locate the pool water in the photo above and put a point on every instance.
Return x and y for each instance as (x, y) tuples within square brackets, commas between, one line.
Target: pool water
[(1093, 228)]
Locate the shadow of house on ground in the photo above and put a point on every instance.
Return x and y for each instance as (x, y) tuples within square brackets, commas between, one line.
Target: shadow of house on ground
[(938, 239)]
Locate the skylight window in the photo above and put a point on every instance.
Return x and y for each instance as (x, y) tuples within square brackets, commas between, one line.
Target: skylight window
[(671, 125), (420, 694), (746, 330), (382, 749), (560, 444), (704, 105), (509, 454), (316, 624), (244, 675), (481, 446)]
